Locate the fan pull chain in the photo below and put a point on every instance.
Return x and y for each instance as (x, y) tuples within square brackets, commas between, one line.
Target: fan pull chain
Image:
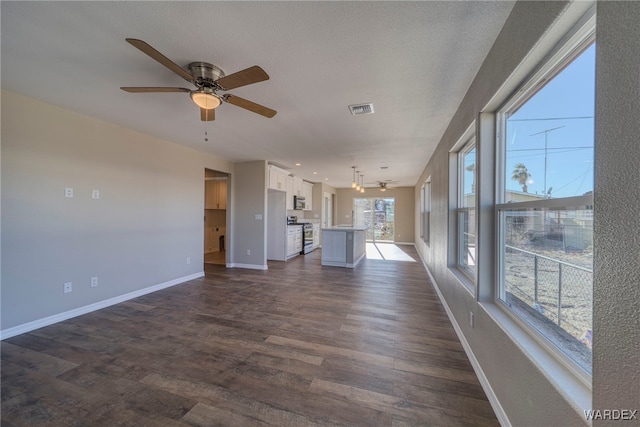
[(206, 138)]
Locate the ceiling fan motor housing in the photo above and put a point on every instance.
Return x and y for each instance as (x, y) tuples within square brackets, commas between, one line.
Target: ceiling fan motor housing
[(205, 74)]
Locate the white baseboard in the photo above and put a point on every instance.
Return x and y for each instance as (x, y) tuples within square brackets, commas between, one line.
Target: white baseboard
[(50, 320), (484, 381), (249, 266), (404, 243)]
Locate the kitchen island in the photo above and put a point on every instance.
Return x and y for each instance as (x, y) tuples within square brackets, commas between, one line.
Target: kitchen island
[(343, 245)]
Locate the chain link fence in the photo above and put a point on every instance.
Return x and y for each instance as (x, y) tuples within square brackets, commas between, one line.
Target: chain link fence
[(558, 290)]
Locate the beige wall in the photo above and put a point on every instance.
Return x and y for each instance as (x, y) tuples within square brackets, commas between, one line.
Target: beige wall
[(138, 234), (319, 188), (249, 233), (404, 209)]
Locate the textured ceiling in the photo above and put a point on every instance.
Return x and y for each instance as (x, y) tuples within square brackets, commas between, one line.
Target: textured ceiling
[(413, 60)]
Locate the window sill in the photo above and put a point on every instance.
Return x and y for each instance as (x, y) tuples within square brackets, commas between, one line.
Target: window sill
[(571, 386)]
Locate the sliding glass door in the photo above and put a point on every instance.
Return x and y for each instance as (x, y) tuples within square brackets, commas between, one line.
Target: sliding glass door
[(377, 214)]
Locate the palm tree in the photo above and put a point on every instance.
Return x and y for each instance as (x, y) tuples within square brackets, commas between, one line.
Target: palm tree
[(522, 175), (472, 168)]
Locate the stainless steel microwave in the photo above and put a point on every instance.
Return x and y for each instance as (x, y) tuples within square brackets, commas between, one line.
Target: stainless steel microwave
[(299, 203)]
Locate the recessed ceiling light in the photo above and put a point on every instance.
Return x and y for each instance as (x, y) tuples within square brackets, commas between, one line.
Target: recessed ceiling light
[(315, 173), (326, 179), (298, 164)]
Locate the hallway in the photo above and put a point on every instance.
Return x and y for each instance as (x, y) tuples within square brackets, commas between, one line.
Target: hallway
[(295, 345)]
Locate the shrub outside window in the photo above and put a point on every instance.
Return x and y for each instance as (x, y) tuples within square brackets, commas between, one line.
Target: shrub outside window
[(545, 210)]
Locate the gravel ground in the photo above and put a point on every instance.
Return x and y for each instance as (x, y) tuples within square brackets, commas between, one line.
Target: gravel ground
[(574, 274)]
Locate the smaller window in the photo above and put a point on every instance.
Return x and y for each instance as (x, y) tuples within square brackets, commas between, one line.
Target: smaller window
[(466, 212), (426, 210)]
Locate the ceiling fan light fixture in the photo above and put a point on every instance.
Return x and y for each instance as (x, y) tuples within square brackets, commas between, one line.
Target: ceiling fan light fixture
[(204, 99)]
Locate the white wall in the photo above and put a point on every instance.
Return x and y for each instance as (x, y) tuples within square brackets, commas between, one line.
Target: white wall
[(534, 391), (138, 234)]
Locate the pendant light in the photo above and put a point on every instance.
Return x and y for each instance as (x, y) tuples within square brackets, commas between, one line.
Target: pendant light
[(353, 183), (362, 186), (358, 183)]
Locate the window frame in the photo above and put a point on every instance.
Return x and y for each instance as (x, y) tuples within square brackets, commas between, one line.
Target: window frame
[(560, 58), (469, 145), (425, 223)]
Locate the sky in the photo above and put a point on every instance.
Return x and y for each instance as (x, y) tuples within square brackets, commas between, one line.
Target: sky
[(562, 113)]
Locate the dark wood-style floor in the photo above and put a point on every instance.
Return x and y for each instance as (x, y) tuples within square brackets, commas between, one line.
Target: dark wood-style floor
[(297, 345)]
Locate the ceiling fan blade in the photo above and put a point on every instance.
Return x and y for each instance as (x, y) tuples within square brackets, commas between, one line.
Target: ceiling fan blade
[(251, 106), (245, 77), (146, 48), (207, 115), (154, 89)]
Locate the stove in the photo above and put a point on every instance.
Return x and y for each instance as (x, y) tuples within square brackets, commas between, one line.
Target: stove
[(307, 233)]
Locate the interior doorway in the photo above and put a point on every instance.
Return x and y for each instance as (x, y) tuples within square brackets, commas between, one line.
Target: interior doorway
[(216, 238)]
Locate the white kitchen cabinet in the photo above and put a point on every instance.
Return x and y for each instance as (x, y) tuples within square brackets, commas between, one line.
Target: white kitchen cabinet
[(307, 192), (277, 178), (289, 188), (215, 195), (297, 186), (294, 240)]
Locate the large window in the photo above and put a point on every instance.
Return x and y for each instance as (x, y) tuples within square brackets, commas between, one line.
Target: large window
[(545, 202), (466, 212), (377, 214)]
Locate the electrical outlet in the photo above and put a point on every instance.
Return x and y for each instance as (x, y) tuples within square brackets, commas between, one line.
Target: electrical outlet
[(248, 251), (188, 260), (472, 319), (68, 192), (68, 287), (95, 194), (94, 282)]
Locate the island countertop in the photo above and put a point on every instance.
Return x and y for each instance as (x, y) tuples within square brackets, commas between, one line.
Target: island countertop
[(343, 245), (346, 227)]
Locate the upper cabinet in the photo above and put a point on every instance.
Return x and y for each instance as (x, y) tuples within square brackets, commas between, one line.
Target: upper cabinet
[(279, 179), (307, 192), (289, 188), (215, 194)]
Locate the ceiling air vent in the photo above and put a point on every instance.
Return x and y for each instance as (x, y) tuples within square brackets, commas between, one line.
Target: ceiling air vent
[(361, 109)]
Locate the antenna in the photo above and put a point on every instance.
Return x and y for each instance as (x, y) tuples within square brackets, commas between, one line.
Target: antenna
[(546, 132)]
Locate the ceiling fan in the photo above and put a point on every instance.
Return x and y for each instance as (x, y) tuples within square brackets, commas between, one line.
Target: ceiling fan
[(384, 185), (208, 80)]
